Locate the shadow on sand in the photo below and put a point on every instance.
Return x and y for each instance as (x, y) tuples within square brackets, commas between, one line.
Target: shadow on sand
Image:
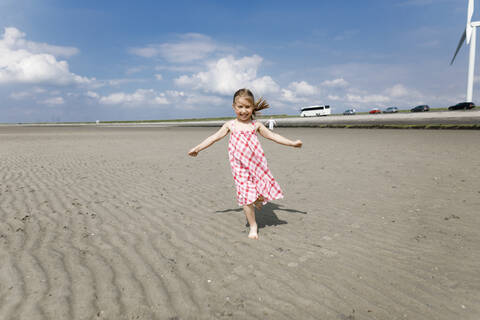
[(266, 215)]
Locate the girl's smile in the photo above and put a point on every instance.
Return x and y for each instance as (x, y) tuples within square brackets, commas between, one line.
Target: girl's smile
[(243, 108)]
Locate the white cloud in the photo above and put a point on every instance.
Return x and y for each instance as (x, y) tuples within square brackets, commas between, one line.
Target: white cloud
[(20, 95), (303, 88), (196, 100), (184, 80), (38, 90), (300, 91), (368, 99), (378, 75), (397, 91), (264, 85), (147, 52), (289, 96), (140, 98), (133, 70), (174, 93), (23, 61), (35, 92), (415, 3), (158, 76), (118, 82), (386, 85), (226, 75), (54, 101), (92, 94), (190, 47), (193, 100), (179, 68), (339, 82), (14, 39), (334, 97), (407, 96)]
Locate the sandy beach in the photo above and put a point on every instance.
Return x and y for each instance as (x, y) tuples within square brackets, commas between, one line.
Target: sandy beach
[(119, 223)]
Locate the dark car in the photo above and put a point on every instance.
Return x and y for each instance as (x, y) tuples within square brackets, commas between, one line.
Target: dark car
[(421, 108), (462, 106)]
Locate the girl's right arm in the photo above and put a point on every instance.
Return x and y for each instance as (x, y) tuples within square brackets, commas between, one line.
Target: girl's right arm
[(222, 132)]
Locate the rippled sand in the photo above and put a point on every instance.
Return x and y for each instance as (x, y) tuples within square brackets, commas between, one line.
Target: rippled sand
[(118, 223)]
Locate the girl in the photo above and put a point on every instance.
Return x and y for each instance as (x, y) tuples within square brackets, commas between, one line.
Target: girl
[(254, 182)]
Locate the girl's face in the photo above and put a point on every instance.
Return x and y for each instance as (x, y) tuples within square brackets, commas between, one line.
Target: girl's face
[(243, 108)]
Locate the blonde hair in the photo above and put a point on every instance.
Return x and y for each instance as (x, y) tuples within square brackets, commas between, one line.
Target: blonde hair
[(258, 105)]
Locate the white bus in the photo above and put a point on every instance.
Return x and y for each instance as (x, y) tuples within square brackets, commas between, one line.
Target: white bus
[(316, 111)]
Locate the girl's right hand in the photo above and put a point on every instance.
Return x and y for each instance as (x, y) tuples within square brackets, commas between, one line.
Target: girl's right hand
[(193, 152)]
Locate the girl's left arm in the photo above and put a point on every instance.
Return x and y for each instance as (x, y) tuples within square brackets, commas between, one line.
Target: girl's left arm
[(277, 138)]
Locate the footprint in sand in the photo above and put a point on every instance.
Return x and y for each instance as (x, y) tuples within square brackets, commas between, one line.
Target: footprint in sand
[(309, 255), (237, 273), (328, 253)]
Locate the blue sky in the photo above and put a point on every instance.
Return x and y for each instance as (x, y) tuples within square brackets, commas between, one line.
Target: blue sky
[(63, 60)]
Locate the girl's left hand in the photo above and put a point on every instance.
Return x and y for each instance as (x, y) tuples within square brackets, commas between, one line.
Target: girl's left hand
[(297, 144), (193, 152)]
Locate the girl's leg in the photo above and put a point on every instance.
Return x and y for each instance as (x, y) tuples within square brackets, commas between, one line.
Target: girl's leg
[(250, 214)]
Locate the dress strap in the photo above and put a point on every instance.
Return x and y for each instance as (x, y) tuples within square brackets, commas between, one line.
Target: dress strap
[(233, 128)]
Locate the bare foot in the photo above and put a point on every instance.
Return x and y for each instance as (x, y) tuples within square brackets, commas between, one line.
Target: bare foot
[(253, 234)]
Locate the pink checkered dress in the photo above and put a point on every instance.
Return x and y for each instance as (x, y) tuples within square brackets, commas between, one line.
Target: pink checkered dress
[(249, 168)]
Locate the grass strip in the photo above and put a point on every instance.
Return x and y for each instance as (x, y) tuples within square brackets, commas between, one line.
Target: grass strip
[(404, 126)]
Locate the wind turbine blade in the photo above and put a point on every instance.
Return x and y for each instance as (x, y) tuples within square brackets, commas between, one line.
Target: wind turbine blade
[(462, 40), (470, 11), (468, 28)]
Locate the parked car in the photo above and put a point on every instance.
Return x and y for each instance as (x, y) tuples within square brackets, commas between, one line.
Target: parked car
[(462, 105), (349, 112), (374, 111), (421, 108), (391, 110)]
